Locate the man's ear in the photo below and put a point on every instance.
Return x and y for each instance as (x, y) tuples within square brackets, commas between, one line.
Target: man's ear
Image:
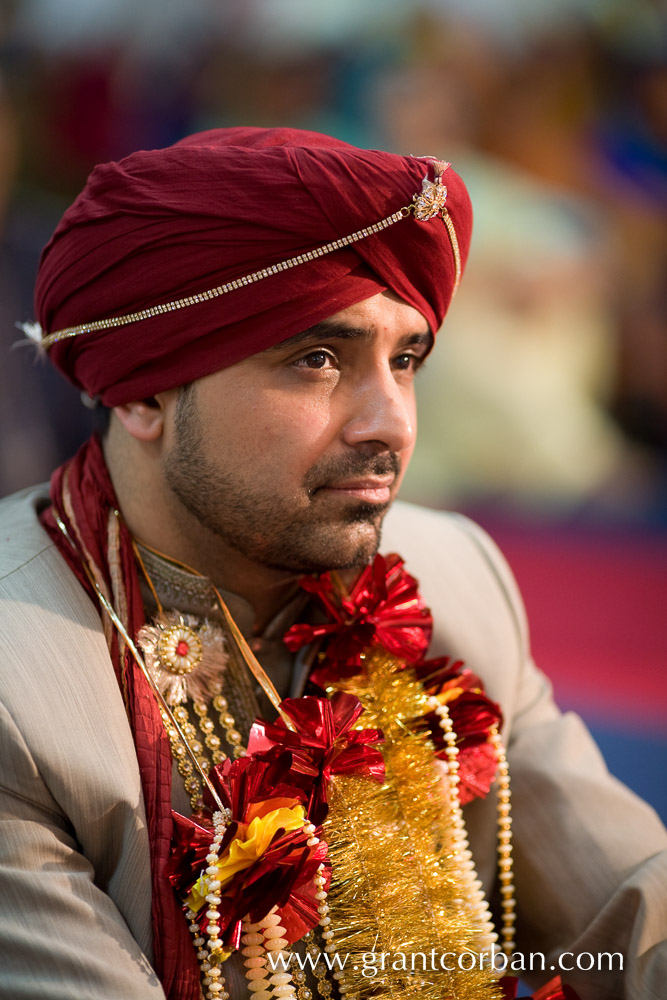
[(144, 419)]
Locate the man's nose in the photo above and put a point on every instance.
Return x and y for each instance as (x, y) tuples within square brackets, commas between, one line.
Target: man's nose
[(381, 411)]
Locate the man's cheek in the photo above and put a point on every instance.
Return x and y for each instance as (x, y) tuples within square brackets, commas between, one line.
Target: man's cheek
[(404, 458)]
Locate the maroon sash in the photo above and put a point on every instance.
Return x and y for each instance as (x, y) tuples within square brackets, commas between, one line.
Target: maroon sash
[(83, 487)]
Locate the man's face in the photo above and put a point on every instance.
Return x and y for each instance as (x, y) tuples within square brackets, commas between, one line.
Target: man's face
[(293, 456)]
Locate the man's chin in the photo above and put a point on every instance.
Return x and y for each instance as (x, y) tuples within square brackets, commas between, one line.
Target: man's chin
[(367, 513), (329, 545), (353, 544)]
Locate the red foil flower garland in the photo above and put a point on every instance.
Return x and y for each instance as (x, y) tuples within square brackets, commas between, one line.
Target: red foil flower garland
[(263, 863), (383, 608), (324, 743), (553, 990), (473, 717), (272, 795)]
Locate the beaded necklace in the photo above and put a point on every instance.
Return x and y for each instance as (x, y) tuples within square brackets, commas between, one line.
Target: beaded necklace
[(178, 646)]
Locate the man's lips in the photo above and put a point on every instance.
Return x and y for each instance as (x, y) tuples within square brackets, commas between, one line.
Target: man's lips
[(369, 489)]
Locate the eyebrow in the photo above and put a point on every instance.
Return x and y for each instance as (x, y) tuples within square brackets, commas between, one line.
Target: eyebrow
[(330, 329)]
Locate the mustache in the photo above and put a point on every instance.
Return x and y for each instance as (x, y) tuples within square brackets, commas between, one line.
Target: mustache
[(354, 466)]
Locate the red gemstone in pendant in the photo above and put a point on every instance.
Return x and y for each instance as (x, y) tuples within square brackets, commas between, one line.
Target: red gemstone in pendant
[(182, 649)]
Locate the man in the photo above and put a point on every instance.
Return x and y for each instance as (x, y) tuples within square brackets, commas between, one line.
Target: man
[(253, 306)]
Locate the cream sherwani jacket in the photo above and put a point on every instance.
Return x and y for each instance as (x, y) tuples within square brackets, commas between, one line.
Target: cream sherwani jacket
[(591, 859)]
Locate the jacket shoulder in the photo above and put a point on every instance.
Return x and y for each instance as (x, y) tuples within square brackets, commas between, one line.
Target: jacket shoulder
[(22, 536), (47, 617), (455, 547), (464, 579)]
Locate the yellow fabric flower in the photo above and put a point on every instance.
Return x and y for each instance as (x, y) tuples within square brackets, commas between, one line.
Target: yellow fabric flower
[(452, 693), (449, 694), (251, 843)]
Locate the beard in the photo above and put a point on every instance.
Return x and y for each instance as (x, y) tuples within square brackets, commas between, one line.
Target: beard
[(302, 532)]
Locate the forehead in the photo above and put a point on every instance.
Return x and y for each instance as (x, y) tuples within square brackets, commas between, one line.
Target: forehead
[(384, 313)]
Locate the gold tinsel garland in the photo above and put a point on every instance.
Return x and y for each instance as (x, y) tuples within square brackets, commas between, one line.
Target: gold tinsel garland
[(402, 885)]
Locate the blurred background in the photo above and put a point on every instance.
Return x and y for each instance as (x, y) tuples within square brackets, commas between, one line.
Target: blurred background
[(544, 409)]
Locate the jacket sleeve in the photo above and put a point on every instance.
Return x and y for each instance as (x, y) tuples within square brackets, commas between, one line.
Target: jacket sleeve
[(61, 935), (75, 898), (590, 856)]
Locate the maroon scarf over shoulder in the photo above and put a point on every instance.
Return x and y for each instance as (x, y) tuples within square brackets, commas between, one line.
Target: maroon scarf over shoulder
[(85, 481)]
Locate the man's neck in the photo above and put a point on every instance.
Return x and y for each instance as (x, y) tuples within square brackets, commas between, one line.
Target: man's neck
[(171, 530)]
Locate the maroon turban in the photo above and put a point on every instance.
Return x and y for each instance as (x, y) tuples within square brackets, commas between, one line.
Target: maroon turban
[(169, 223)]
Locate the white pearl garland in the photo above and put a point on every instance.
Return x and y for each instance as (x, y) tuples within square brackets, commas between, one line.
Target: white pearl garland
[(209, 946), (505, 864), (469, 878), (328, 933)]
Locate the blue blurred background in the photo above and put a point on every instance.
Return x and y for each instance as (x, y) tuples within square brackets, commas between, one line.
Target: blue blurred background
[(544, 409)]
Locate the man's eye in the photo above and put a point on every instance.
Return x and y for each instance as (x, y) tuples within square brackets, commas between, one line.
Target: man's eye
[(315, 359), (408, 362)]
